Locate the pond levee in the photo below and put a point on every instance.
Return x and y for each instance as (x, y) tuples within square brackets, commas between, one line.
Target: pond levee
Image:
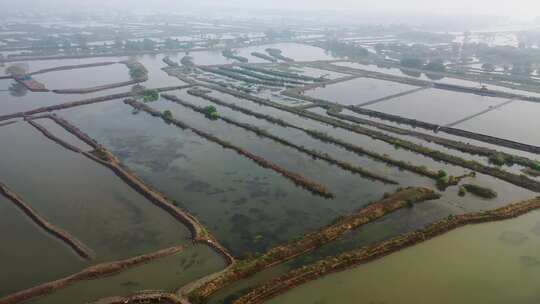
[(366, 254), (298, 179), (90, 273), (241, 269), (101, 155), (313, 153), (72, 67), (448, 129), (81, 249), (518, 180), (99, 88), (83, 102)]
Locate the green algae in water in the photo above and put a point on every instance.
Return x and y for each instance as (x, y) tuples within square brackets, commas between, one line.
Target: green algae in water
[(487, 263)]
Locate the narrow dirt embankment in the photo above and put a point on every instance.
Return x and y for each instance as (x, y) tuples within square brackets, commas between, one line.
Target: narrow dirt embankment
[(104, 157), (360, 151), (99, 88), (144, 297), (90, 273), (448, 143), (84, 102), (81, 249), (346, 260), (298, 179), (309, 242), (518, 180), (72, 67)]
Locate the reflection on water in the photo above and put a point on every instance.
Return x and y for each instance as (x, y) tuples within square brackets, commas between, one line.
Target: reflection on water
[(487, 263)]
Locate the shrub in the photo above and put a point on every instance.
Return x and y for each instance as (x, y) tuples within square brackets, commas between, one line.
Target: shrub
[(462, 191), (442, 174)]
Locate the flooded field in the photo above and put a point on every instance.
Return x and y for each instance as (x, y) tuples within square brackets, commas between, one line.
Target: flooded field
[(358, 91), (437, 106), (243, 179), (474, 272), (18, 260), (47, 176), (298, 52), (507, 126), (78, 78), (165, 274), (238, 193)]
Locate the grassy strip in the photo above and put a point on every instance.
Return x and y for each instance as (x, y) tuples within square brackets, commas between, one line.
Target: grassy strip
[(366, 254), (298, 179), (313, 153), (401, 199)]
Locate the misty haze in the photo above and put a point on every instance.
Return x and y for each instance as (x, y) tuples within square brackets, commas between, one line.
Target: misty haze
[(279, 152)]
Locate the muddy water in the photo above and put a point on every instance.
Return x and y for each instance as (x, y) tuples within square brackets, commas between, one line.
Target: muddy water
[(21, 241), (84, 198), (359, 90), (168, 274), (488, 263)]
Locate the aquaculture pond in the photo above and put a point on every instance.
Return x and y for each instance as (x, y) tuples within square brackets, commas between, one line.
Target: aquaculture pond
[(79, 78), (507, 192), (36, 65), (358, 91), (463, 259), (437, 106), (14, 97), (248, 207), (48, 177), (296, 51), (22, 239), (380, 69), (156, 76), (517, 121), (59, 132), (167, 274)]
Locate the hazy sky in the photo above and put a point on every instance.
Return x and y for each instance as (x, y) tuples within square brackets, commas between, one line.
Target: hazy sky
[(516, 8)]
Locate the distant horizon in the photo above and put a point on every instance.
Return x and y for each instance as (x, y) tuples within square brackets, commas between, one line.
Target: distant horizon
[(519, 9)]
